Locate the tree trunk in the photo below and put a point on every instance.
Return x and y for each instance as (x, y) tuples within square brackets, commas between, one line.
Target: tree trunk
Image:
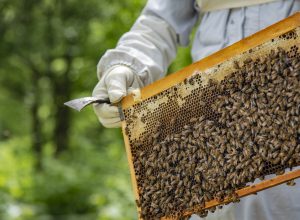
[(61, 94), (37, 142)]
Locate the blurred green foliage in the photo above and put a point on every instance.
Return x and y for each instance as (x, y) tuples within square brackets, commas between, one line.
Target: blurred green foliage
[(57, 163)]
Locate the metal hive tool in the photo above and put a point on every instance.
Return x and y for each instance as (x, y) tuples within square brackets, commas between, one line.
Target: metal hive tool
[(176, 99)]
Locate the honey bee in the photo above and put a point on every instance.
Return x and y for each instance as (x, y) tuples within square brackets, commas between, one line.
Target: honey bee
[(172, 122), (280, 172), (202, 214), (156, 135), (236, 65), (247, 60), (291, 183), (138, 203)]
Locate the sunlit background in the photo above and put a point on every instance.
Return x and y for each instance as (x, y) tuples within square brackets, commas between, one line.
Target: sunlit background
[(56, 163)]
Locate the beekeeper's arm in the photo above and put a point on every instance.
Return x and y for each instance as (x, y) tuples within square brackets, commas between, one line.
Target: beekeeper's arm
[(143, 54)]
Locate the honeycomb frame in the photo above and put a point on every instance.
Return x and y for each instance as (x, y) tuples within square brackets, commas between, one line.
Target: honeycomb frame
[(171, 95)]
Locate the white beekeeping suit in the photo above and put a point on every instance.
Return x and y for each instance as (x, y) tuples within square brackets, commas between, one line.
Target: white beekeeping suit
[(143, 55)]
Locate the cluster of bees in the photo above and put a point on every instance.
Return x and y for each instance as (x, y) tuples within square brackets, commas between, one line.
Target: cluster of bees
[(256, 126)]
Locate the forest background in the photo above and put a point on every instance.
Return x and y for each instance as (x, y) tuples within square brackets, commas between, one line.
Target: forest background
[(56, 163)]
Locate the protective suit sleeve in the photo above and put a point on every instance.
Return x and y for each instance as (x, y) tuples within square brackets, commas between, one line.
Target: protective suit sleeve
[(151, 44)]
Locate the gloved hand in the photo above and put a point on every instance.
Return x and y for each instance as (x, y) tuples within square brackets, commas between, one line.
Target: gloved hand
[(114, 84)]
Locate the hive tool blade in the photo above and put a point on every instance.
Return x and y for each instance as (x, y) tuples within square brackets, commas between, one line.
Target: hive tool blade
[(80, 103)]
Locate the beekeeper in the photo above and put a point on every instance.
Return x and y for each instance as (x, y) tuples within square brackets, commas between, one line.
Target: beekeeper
[(143, 55)]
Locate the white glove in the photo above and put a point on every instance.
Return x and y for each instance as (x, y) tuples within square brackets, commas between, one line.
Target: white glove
[(114, 84)]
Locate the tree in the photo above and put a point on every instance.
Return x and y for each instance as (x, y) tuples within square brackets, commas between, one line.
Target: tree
[(45, 43)]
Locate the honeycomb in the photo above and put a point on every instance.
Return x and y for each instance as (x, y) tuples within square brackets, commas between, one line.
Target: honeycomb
[(170, 112)]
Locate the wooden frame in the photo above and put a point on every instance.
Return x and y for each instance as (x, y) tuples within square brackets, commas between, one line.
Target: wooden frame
[(252, 41)]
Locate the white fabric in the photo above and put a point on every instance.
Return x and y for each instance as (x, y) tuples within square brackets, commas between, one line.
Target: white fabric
[(114, 84), (219, 29), (212, 5), (150, 46)]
